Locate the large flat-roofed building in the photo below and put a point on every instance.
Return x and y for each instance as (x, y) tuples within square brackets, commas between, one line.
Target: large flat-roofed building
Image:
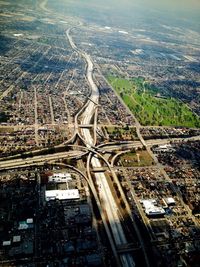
[(60, 178), (62, 194), (170, 201), (151, 209)]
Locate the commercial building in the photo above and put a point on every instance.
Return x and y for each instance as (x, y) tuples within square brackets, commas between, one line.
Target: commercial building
[(60, 178), (151, 208), (68, 194)]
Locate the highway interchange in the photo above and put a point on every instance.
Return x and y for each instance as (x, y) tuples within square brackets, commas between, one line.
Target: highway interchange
[(106, 194), (95, 155), (88, 116)]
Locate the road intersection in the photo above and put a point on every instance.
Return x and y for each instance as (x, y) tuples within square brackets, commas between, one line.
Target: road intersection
[(85, 132)]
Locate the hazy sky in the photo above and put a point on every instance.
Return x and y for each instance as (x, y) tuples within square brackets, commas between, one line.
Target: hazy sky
[(169, 3), (175, 6), (182, 12), (163, 5), (158, 3)]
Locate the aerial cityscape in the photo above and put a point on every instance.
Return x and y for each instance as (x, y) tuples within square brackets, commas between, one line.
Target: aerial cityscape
[(99, 133)]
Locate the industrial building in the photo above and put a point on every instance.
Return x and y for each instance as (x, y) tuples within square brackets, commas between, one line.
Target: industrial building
[(151, 208), (60, 178), (68, 194)]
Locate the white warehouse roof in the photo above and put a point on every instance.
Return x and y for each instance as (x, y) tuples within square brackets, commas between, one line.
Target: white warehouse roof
[(29, 220), (62, 194), (16, 238), (151, 208), (60, 177), (170, 201), (6, 243)]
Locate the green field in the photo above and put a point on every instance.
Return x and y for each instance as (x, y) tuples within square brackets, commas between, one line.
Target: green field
[(140, 97), (136, 159), (122, 133)]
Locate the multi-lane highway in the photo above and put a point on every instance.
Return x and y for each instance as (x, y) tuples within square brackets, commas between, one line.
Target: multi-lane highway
[(9, 164), (106, 196)]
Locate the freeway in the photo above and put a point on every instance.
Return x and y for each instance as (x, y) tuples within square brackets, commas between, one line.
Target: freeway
[(122, 147), (153, 142), (8, 164), (94, 98), (106, 195), (148, 143)]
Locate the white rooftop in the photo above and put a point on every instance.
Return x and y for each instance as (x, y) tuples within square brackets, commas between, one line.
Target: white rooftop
[(170, 200), (123, 32), (23, 226), (60, 177), (165, 146), (6, 243), (62, 194), (29, 220), (16, 238), (151, 208)]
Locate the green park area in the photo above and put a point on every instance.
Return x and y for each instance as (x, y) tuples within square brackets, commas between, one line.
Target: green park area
[(139, 158), (122, 133), (149, 107)]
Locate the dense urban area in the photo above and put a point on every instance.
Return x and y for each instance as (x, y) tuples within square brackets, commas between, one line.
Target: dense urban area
[(99, 140)]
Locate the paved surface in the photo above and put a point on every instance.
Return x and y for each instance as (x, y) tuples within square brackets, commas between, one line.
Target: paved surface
[(106, 196), (38, 159)]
